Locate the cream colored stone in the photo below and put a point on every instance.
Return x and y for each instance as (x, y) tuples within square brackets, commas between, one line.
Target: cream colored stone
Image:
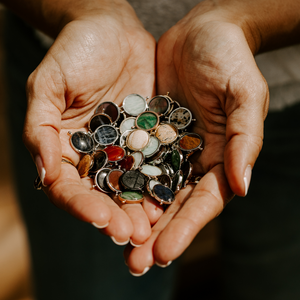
[(137, 140)]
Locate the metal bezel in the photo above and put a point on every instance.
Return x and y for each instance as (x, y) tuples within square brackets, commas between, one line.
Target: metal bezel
[(82, 167), (78, 150), (156, 150), (148, 175), (109, 183), (115, 146), (130, 201), (96, 115), (189, 121), (125, 157), (135, 149), (186, 177), (180, 158), (161, 200), (138, 174), (109, 102), (176, 185), (148, 112), (166, 124), (142, 160), (148, 185), (106, 144), (194, 149), (93, 156), (124, 121), (107, 170), (161, 97), (124, 105)]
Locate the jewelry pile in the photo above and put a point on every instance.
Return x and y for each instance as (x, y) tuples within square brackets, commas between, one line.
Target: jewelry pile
[(140, 145)]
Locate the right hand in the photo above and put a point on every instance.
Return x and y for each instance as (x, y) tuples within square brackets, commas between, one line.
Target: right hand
[(205, 62)]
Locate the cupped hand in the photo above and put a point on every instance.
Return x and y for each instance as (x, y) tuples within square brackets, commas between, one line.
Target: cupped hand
[(205, 62), (99, 56)]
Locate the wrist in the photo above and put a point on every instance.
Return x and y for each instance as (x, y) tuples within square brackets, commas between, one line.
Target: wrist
[(267, 24)]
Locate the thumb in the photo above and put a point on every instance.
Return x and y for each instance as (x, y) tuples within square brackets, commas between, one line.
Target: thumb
[(43, 123), (246, 108)]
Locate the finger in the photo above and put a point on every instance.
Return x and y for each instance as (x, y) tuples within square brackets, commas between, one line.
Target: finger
[(42, 124), (246, 108), (179, 225), (75, 196), (140, 222), (152, 209)]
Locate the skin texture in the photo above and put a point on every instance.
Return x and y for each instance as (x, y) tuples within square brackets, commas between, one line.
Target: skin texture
[(206, 62), (210, 69), (93, 59)]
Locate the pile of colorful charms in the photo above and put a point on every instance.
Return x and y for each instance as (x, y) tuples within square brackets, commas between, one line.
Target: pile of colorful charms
[(137, 147)]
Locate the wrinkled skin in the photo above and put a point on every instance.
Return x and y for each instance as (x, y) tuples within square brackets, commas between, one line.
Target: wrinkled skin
[(207, 65), (94, 58)]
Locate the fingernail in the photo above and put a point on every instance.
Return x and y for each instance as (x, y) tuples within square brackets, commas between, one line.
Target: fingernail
[(119, 243), (163, 266), (139, 274), (247, 178), (133, 244), (100, 226), (40, 168)]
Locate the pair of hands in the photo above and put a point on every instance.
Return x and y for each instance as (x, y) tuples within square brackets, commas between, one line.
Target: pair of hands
[(206, 64)]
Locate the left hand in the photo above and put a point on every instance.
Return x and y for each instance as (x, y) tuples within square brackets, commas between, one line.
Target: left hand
[(205, 62)]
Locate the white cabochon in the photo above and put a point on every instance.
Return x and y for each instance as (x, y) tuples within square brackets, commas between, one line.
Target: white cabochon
[(134, 104)]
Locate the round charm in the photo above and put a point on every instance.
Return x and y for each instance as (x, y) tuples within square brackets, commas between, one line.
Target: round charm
[(176, 159), (187, 169), (82, 142), (166, 133), (131, 197), (137, 139), (106, 135), (100, 180), (151, 171), (127, 124), (152, 147), (134, 104), (177, 182), (113, 178), (123, 137), (190, 142), (147, 120), (166, 169), (158, 156), (163, 194), (109, 108), (98, 120), (165, 180), (138, 159), (127, 163), (160, 105), (181, 117), (100, 160), (133, 180), (85, 165), (114, 153), (150, 184)]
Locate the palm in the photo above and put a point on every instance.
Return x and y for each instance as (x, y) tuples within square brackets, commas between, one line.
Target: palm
[(90, 61), (208, 68)]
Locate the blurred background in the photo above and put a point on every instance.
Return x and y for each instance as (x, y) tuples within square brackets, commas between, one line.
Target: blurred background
[(15, 279)]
